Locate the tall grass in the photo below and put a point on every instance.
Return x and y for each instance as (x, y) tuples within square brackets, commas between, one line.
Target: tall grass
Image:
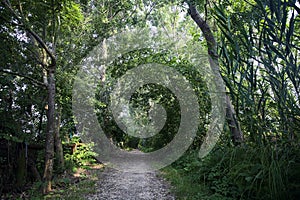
[(236, 173)]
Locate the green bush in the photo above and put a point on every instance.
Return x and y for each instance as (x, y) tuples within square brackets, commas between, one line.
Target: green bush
[(81, 157)]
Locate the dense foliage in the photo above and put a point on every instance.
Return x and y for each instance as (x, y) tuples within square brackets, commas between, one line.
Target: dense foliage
[(258, 44)]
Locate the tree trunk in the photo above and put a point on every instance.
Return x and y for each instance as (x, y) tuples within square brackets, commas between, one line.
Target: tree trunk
[(35, 173), (49, 153), (236, 133), (57, 141), (21, 167)]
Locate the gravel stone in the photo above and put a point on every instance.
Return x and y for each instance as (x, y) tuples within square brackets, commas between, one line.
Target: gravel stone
[(118, 185)]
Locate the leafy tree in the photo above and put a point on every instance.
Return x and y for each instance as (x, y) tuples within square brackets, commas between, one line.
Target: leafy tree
[(52, 37)]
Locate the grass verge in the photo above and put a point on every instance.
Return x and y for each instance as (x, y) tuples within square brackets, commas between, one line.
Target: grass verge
[(186, 188)]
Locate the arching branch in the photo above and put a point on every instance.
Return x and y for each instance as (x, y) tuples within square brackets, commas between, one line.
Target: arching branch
[(237, 135)]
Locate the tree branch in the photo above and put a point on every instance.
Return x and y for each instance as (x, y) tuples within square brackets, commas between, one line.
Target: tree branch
[(34, 82), (31, 32), (208, 35), (237, 135)]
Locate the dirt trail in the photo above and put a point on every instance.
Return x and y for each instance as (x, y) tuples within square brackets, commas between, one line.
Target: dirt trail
[(118, 185)]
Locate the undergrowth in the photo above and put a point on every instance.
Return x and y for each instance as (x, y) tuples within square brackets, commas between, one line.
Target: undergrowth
[(65, 187), (68, 189), (74, 181), (269, 172)]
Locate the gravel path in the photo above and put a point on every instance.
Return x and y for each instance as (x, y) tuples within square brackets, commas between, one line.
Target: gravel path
[(118, 185)]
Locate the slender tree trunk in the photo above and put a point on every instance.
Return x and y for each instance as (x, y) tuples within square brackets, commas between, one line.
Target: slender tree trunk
[(237, 135), (33, 169), (57, 141), (49, 149)]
